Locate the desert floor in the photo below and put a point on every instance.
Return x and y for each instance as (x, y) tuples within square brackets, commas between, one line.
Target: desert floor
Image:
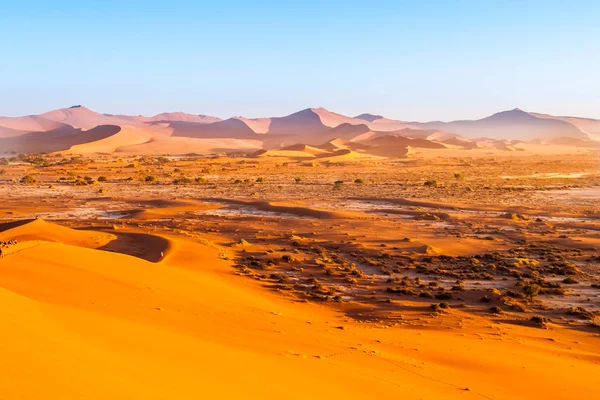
[(457, 277)]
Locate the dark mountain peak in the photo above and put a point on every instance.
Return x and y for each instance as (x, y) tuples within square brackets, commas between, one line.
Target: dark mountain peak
[(511, 115), (369, 117)]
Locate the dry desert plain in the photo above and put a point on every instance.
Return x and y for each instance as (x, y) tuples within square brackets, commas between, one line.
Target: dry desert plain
[(460, 275)]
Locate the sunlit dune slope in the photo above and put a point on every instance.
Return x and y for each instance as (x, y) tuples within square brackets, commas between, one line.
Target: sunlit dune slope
[(87, 324), (127, 136)]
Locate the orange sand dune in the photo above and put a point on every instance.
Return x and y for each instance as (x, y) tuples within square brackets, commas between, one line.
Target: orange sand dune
[(30, 123), (283, 153), (306, 149), (41, 230), (127, 136), (185, 145), (82, 323), (258, 125), (346, 155)]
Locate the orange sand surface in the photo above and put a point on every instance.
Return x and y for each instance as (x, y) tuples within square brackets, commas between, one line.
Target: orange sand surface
[(79, 322)]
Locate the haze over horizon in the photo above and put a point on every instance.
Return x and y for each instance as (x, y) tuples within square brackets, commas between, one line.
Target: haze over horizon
[(435, 61)]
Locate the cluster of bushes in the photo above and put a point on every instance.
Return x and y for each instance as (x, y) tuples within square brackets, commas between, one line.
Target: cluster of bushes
[(28, 179), (184, 180)]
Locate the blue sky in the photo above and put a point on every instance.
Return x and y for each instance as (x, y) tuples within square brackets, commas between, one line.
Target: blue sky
[(410, 60)]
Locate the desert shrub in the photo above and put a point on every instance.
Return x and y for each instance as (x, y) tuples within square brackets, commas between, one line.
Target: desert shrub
[(570, 281), (28, 179), (444, 296), (458, 176), (287, 258), (431, 183), (201, 180), (184, 180), (539, 320), (260, 180), (3, 161), (580, 312), (297, 179), (359, 181), (458, 288), (338, 183), (485, 299), (531, 290), (513, 304), (102, 179), (150, 179), (496, 310), (426, 295), (404, 291)]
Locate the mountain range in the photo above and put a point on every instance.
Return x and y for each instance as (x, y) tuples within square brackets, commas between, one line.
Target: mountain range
[(78, 129)]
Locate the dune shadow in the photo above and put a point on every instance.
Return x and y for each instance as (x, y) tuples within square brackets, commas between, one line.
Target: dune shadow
[(14, 224), (141, 245)]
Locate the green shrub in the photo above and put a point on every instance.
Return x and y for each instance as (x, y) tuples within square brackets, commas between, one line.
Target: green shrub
[(531, 290)]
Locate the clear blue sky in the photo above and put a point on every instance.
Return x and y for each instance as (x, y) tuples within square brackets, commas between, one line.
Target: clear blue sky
[(411, 60)]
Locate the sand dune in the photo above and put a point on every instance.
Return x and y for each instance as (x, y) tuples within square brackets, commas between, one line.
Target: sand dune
[(258, 125), (183, 117), (185, 145), (9, 132), (347, 155), (55, 140), (127, 136), (315, 151), (120, 327), (230, 128), (30, 123), (588, 125), (40, 230), (82, 117), (283, 153), (331, 119), (312, 126)]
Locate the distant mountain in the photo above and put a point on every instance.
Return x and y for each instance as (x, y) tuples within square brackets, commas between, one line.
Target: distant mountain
[(513, 124), (68, 127), (368, 117), (183, 117)]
